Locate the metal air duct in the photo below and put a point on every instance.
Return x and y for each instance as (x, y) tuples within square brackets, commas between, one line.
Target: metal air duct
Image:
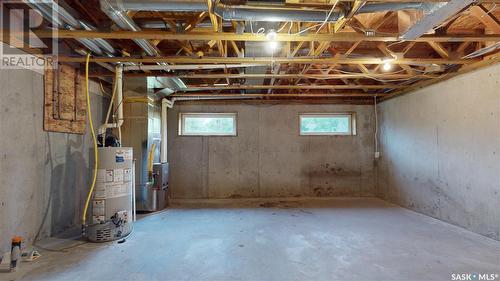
[(62, 18), (121, 18), (249, 13)]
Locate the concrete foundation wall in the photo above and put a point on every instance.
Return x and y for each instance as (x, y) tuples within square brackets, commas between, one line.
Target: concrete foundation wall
[(440, 151), (268, 158), (42, 175)]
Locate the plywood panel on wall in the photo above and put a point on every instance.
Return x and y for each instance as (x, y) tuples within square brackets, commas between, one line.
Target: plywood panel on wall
[(65, 101)]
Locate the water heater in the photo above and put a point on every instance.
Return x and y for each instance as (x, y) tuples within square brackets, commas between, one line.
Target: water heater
[(112, 199)]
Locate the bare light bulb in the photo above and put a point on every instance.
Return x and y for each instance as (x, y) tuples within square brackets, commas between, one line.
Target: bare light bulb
[(387, 66), (273, 45), (271, 39)]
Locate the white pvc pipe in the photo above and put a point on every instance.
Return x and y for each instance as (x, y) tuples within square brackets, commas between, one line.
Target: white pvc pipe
[(118, 102), (165, 103)]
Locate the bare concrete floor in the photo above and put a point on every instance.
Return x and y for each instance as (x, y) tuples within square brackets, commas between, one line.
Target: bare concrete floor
[(334, 239)]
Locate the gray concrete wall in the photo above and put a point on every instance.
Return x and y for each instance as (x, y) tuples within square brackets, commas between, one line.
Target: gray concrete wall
[(441, 151), (268, 158), (41, 174)]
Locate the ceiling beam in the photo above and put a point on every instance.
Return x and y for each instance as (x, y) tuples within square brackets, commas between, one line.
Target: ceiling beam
[(209, 36), (466, 68), (389, 76), (439, 49), (267, 60), (339, 25), (276, 95), (481, 14), (297, 87), (310, 76)]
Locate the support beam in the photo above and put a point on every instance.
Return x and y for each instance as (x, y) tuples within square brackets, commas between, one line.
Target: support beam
[(266, 60), (339, 25), (296, 87), (481, 14), (439, 49), (309, 76), (312, 95), (208, 36), (389, 76), (467, 68)]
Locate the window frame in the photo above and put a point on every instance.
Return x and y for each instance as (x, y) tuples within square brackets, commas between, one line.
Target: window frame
[(183, 115), (350, 115)]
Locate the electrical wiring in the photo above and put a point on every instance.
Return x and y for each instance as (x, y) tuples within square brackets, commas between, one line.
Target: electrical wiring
[(94, 139), (283, 27), (327, 16), (103, 91), (260, 31)]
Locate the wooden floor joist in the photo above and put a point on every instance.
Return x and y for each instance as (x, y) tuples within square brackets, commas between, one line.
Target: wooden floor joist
[(268, 60), (300, 87), (208, 36)]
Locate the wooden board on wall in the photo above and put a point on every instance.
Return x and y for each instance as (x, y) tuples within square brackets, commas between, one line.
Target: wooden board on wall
[(65, 100)]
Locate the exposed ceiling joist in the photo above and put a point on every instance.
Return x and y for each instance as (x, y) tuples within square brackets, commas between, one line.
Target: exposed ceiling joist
[(207, 36), (282, 87), (269, 60)]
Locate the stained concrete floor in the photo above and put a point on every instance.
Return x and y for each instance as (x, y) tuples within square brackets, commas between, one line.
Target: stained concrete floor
[(334, 239)]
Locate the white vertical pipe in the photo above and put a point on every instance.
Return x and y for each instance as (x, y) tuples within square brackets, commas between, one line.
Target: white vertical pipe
[(163, 149)]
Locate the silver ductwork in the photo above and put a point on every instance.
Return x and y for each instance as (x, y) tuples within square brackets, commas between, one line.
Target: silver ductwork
[(379, 7), (60, 17), (249, 13), (164, 25), (121, 19), (168, 85), (160, 5), (103, 44), (256, 13)]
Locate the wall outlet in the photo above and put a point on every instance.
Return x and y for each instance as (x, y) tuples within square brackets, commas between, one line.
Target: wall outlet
[(377, 155)]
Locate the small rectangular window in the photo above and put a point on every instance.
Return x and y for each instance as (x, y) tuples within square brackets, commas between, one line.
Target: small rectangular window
[(207, 124), (327, 124)]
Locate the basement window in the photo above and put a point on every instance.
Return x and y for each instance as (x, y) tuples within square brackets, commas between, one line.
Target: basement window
[(207, 124), (320, 124)]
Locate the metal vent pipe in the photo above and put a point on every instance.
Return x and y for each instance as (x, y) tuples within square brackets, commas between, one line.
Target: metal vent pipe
[(250, 13), (62, 18), (380, 7)]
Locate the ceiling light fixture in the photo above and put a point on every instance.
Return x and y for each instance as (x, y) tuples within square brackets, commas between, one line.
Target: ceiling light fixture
[(387, 65), (271, 39)]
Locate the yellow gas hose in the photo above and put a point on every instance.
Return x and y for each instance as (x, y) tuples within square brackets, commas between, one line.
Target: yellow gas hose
[(96, 155)]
